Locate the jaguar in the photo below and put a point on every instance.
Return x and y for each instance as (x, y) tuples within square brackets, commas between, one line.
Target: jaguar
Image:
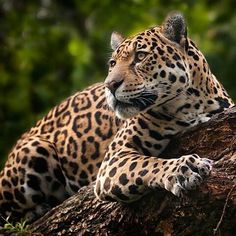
[(158, 84)]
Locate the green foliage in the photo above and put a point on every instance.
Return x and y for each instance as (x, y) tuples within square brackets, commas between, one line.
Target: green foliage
[(20, 228), (50, 49)]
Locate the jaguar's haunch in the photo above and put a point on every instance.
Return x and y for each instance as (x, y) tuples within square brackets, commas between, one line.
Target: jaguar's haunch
[(158, 84)]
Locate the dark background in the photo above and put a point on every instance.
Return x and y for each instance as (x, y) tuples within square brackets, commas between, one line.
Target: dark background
[(51, 49)]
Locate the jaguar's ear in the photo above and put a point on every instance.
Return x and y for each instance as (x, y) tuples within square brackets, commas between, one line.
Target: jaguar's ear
[(116, 40), (174, 28)]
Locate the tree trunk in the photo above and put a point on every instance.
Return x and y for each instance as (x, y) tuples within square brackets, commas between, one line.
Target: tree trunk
[(210, 210)]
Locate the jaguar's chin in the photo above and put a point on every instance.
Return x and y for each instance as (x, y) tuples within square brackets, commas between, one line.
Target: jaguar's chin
[(125, 110)]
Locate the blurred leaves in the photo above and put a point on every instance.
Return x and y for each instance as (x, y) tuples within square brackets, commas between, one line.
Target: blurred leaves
[(50, 49)]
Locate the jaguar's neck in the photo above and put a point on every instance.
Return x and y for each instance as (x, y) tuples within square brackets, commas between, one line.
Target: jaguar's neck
[(204, 86), (204, 97)]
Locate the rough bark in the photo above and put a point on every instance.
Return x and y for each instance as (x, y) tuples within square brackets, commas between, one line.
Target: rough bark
[(209, 210)]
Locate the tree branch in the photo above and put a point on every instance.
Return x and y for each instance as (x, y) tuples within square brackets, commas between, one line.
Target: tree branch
[(209, 210)]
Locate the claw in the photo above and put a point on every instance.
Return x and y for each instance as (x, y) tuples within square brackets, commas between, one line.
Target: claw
[(189, 177), (178, 190)]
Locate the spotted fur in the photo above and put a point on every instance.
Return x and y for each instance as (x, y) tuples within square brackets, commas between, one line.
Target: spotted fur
[(158, 84)]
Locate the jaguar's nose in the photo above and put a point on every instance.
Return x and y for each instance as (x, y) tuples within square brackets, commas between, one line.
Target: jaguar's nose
[(114, 85)]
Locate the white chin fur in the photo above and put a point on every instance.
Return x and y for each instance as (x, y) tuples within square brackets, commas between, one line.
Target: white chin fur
[(126, 113), (110, 99), (121, 112)]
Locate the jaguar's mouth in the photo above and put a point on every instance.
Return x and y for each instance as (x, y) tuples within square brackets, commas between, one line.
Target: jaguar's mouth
[(144, 100), (132, 107), (126, 108), (122, 105)]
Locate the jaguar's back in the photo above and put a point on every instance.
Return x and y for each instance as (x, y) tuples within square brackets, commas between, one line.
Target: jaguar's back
[(62, 153)]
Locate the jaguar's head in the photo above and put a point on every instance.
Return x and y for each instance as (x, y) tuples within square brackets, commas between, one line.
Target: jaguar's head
[(148, 69)]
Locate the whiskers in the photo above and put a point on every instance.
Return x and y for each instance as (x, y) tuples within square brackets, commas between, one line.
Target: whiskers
[(173, 96), (144, 100), (161, 95)]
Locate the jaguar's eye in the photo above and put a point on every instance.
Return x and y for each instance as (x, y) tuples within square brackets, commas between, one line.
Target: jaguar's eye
[(112, 63), (140, 56)]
